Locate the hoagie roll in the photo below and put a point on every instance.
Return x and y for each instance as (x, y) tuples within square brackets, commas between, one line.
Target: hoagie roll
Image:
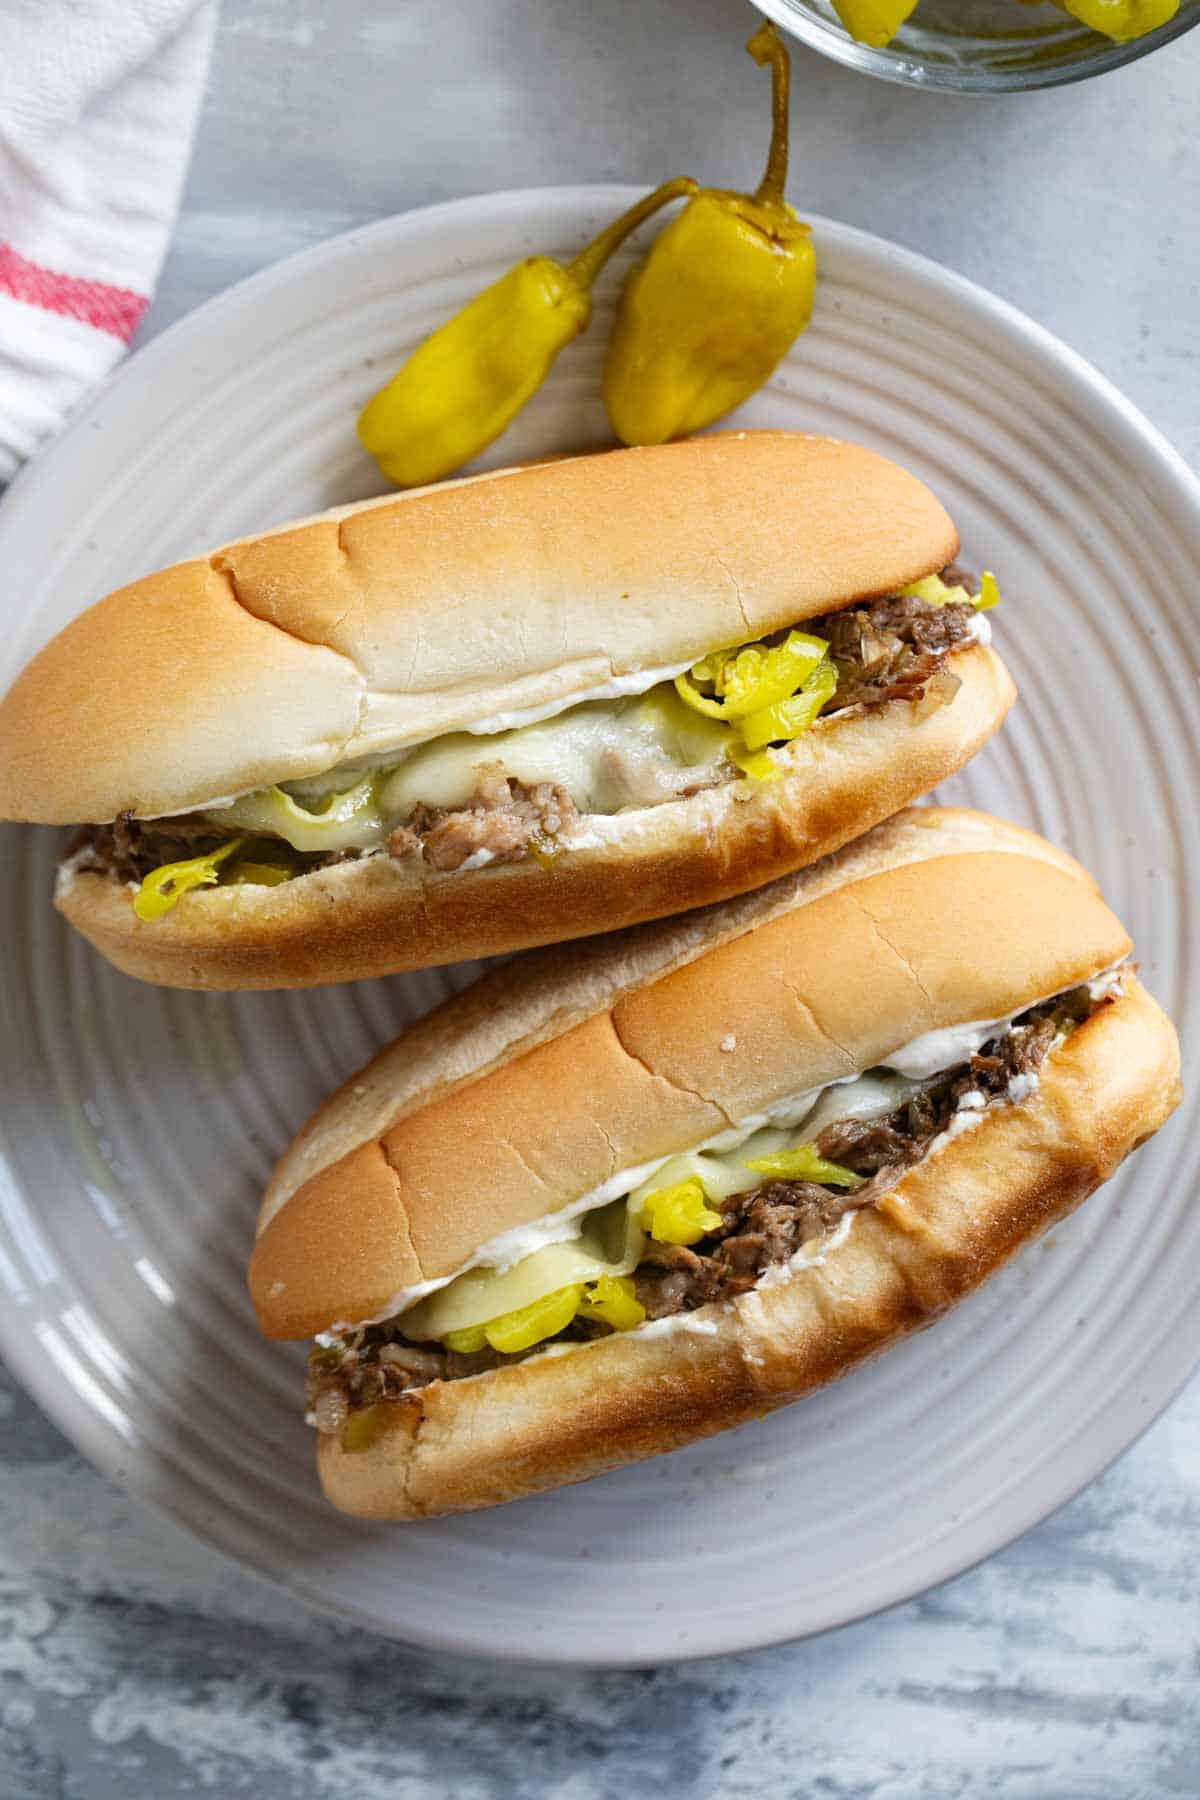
[(526, 706), (618, 1198)]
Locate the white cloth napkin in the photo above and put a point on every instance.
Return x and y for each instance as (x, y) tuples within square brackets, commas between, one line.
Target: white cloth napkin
[(98, 105)]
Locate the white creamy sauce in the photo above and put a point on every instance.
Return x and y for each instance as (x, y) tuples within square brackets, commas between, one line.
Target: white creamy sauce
[(677, 1322), (1107, 981), (639, 682), (808, 1256), (1021, 1087), (962, 1121), (68, 868), (934, 1051)]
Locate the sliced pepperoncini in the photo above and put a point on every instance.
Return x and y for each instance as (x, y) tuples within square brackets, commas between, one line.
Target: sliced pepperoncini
[(792, 717), (679, 1214), (756, 765), (259, 874), (749, 679), (468, 380), (719, 299), (612, 1300), (803, 1164), (932, 590), (466, 1341), (528, 1325), (989, 592), (767, 694), (361, 1428), (163, 886)]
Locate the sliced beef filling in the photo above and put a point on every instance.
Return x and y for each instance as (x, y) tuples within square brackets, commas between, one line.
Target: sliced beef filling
[(891, 649), (504, 821), (130, 848), (759, 1230)]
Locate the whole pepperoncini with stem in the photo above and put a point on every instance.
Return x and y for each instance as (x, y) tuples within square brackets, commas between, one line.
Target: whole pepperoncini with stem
[(468, 380), (719, 299)]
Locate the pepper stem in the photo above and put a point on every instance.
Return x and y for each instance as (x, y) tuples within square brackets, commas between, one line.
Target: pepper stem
[(766, 46), (588, 264)]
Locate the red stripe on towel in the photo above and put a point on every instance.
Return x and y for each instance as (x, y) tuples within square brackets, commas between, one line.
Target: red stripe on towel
[(115, 310)]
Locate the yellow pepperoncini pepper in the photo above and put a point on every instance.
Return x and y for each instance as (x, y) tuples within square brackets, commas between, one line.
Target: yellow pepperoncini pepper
[(766, 694), (612, 1300), (361, 1429), (792, 717), (163, 886), (718, 301), (752, 678), (757, 676), (757, 765), (679, 1214), (259, 874), (525, 1325), (803, 1164), (467, 1340), (873, 22), (469, 379), (1122, 19), (934, 592)]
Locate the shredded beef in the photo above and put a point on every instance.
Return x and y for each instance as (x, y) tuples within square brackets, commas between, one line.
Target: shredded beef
[(893, 649), (758, 1231), (129, 848), (504, 818)]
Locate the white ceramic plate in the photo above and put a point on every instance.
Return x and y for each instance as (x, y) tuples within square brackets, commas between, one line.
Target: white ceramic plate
[(137, 1126)]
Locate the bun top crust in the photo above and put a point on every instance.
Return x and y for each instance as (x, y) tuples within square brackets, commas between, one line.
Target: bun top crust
[(378, 625), (933, 924)]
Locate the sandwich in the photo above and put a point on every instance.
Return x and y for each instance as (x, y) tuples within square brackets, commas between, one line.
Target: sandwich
[(522, 707), (616, 1199)]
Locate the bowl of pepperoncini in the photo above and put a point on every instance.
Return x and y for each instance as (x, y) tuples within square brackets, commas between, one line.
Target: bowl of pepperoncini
[(984, 46)]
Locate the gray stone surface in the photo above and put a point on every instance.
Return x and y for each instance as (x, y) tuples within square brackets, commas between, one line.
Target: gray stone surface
[(134, 1661)]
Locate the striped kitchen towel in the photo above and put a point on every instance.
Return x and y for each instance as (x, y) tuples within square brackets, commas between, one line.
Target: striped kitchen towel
[(98, 105)]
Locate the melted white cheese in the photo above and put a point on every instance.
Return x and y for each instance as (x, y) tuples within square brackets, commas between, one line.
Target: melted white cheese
[(607, 755), (639, 682), (623, 743)]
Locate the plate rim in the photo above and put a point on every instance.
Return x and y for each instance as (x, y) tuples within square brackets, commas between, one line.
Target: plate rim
[(1172, 1363)]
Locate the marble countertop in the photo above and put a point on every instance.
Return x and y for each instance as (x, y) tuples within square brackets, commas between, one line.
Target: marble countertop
[(135, 1661)]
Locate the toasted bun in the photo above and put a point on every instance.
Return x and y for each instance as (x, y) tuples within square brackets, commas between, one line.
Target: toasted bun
[(378, 917), (657, 1043), (945, 1227), (381, 624)]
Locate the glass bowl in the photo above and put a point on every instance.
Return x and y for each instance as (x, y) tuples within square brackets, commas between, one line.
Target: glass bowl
[(976, 46)]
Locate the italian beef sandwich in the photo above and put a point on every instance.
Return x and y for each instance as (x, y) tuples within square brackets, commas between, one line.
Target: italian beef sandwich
[(615, 1199), (527, 706)]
